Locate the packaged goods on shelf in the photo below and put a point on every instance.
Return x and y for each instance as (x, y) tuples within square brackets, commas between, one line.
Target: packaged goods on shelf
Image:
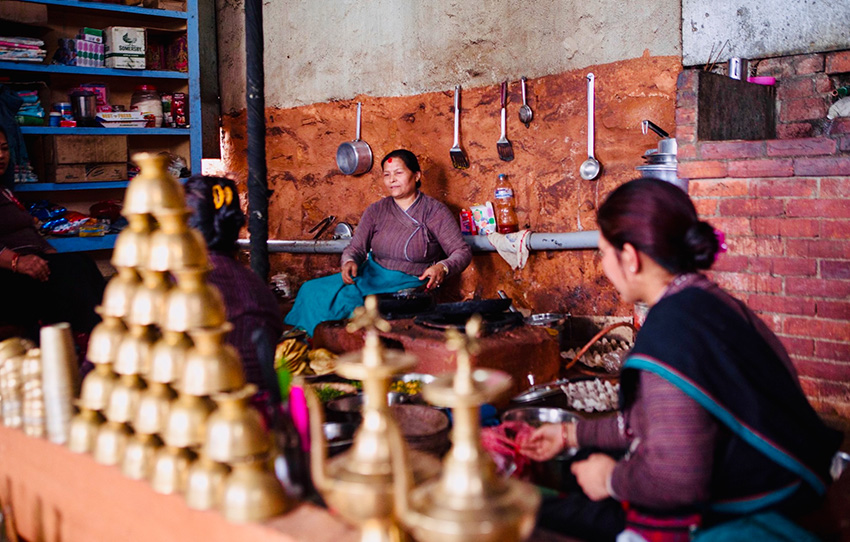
[(94, 35), (177, 55), (125, 47), (122, 119), (19, 49), (89, 54)]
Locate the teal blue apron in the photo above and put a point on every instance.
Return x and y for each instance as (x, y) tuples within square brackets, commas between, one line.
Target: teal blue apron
[(328, 298)]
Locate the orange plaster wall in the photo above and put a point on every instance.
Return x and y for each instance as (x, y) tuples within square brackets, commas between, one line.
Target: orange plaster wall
[(301, 147)]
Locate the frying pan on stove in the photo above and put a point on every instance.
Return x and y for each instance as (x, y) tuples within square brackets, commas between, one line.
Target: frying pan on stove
[(475, 306), (405, 302)]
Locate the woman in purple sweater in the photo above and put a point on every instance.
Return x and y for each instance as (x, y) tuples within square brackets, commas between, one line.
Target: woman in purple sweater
[(714, 431), (405, 240)]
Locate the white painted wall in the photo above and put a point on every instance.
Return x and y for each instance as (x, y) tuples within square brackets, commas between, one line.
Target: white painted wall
[(322, 50), (760, 29)]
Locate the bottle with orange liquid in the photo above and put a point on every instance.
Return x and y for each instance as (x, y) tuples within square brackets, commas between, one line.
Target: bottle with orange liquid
[(506, 219)]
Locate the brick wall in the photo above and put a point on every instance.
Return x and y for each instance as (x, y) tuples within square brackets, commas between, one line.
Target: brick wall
[(805, 84), (783, 205)]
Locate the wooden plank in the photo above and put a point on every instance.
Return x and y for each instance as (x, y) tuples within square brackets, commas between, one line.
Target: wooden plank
[(732, 109)]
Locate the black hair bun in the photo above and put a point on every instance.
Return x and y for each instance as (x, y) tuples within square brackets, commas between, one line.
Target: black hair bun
[(703, 244)]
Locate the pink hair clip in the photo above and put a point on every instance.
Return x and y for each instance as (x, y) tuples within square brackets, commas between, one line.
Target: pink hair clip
[(721, 243)]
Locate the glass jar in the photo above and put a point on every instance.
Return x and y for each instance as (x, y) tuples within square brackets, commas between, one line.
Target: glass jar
[(147, 101)]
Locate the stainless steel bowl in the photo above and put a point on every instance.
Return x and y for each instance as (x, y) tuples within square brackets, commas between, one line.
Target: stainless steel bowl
[(339, 436), (537, 416), (840, 462)]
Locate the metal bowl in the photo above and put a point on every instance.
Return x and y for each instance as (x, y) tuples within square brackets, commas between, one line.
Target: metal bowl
[(840, 462), (537, 416), (546, 319), (339, 436)]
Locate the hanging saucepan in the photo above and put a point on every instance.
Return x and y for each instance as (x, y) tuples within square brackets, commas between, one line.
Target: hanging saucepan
[(354, 157)]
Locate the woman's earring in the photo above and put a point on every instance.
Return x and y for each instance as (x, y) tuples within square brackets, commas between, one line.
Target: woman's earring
[(633, 269)]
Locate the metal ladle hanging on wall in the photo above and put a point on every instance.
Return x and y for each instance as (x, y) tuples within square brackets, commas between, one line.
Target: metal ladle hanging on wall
[(591, 167)]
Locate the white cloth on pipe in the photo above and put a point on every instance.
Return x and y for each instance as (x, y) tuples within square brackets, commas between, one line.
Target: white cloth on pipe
[(512, 247), (841, 108)]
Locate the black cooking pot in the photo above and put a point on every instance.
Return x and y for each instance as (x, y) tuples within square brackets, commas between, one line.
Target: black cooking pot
[(475, 306), (404, 303)]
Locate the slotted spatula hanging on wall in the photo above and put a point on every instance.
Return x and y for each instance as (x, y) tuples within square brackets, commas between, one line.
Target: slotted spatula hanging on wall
[(459, 159), (506, 152)]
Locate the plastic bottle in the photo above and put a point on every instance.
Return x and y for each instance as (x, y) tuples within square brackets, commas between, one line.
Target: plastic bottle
[(148, 101), (506, 219)]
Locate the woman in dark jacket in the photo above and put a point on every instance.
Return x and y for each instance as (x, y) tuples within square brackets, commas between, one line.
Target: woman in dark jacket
[(40, 286), (714, 430)]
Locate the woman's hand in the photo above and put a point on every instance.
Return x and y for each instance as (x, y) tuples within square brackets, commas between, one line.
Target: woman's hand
[(349, 271), (548, 440), (593, 475), (34, 266), (435, 275)]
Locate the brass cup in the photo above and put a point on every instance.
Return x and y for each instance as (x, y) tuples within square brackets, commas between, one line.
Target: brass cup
[(194, 303), (139, 455), (186, 421), (110, 443), (105, 338), (148, 304), (153, 189), (131, 245), (176, 246), (211, 366), (252, 493), (205, 484), (134, 352), (170, 469), (235, 430), (124, 399), (84, 428), (119, 292), (59, 379), (168, 357), (15, 346), (97, 387), (152, 412)]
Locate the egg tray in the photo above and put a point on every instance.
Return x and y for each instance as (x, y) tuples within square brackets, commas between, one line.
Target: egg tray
[(601, 352), (595, 395)]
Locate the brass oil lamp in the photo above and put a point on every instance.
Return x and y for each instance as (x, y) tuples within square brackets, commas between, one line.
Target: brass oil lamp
[(358, 483), (469, 502)]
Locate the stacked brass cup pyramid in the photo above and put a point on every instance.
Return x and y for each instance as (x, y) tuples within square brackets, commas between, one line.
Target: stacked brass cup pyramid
[(167, 401)]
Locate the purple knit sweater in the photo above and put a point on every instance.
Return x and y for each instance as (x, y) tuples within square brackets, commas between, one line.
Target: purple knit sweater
[(409, 241), (672, 438)]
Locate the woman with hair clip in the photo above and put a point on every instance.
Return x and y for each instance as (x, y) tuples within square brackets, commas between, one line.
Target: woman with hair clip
[(714, 439), (405, 240), (249, 302)]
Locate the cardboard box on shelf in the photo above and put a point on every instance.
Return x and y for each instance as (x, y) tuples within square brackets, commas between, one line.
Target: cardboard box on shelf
[(125, 47), (85, 149), (174, 5), (23, 12), (86, 173)]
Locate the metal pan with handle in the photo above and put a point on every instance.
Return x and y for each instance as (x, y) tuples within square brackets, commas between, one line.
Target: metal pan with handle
[(354, 157)]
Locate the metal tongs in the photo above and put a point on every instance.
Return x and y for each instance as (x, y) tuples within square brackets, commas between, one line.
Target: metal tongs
[(323, 225)]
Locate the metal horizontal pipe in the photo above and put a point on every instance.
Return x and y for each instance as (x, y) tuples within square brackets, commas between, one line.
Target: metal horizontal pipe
[(537, 241)]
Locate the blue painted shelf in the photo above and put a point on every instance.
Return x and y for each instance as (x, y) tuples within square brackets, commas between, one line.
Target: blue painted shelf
[(72, 14), (57, 130), (113, 7), (91, 70), (83, 244), (60, 187)]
